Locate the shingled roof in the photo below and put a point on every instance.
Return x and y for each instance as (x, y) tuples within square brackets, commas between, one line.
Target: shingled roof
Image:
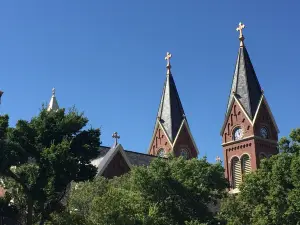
[(135, 158), (170, 112), (245, 85)]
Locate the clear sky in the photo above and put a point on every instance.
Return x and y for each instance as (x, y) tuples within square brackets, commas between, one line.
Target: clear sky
[(107, 59)]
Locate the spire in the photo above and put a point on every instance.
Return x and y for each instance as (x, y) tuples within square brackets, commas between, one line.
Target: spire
[(170, 113), (245, 86), (53, 105)]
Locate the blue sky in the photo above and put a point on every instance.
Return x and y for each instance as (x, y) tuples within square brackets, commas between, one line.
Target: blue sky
[(107, 59)]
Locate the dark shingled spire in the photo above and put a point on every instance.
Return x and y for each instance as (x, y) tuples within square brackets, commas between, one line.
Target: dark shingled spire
[(245, 85), (170, 112)]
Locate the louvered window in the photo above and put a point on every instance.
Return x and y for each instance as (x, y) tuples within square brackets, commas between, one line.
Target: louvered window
[(236, 172), (246, 164)]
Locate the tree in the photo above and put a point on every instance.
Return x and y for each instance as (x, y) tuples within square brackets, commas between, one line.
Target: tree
[(41, 157), (172, 191), (271, 195)]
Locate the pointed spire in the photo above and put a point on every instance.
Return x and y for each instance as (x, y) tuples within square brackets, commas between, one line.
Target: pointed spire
[(53, 105), (170, 113), (245, 86)]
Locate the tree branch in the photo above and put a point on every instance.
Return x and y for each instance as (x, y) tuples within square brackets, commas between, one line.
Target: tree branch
[(17, 179)]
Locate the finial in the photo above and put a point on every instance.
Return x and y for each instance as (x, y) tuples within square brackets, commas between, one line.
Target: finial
[(116, 137), (218, 159), (168, 57), (241, 37), (53, 92)]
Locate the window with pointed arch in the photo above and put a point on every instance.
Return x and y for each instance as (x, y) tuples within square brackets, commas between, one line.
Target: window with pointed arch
[(236, 172), (161, 152), (184, 152)]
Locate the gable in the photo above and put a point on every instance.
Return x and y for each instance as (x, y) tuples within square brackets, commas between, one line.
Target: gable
[(185, 140), (264, 118), (236, 117), (159, 140), (116, 167), (104, 161)]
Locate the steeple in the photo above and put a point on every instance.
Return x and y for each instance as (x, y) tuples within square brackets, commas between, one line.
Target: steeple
[(171, 133), (249, 132), (245, 86), (170, 111), (53, 105)]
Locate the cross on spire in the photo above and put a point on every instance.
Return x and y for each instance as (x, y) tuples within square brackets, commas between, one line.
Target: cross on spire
[(53, 91), (116, 137), (218, 159), (168, 57), (241, 37)]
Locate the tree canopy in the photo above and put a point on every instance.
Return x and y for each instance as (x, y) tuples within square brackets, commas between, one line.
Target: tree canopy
[(270, 195), (173, 191), (39, 159)]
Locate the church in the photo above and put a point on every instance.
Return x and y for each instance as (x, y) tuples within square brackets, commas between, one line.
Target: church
[(249, 132)]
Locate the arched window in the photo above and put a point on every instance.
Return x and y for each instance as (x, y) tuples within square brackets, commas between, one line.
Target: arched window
[(236, 172), (246, 164), (161, 152), (184, 153)]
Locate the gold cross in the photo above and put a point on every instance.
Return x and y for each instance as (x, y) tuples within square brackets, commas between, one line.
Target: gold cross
[(240, 29), (168, 57)]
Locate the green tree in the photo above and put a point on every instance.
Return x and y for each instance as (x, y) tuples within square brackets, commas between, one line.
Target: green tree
[(271, 195), (39, 158), (173, 191)]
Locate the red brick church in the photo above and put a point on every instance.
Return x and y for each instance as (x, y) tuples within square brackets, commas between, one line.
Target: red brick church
[(249, 132)]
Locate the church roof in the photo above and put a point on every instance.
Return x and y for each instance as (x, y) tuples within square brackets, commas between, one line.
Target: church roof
[(53, 104), (135, 158), (170, 112), (245, 85)]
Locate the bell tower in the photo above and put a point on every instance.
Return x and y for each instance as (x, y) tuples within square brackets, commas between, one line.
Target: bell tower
[(171, 132), (249, 132)]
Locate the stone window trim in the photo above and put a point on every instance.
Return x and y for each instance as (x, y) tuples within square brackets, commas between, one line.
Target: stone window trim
[(267, 127), (185, 149), (161, 152), (234, 128)]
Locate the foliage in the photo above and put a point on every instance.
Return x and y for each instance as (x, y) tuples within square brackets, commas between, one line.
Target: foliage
[(174, 191), (39, 158), (271, 195)]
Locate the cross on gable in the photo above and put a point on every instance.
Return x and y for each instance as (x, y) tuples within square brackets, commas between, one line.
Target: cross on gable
[(218, 159), (116, 137)]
